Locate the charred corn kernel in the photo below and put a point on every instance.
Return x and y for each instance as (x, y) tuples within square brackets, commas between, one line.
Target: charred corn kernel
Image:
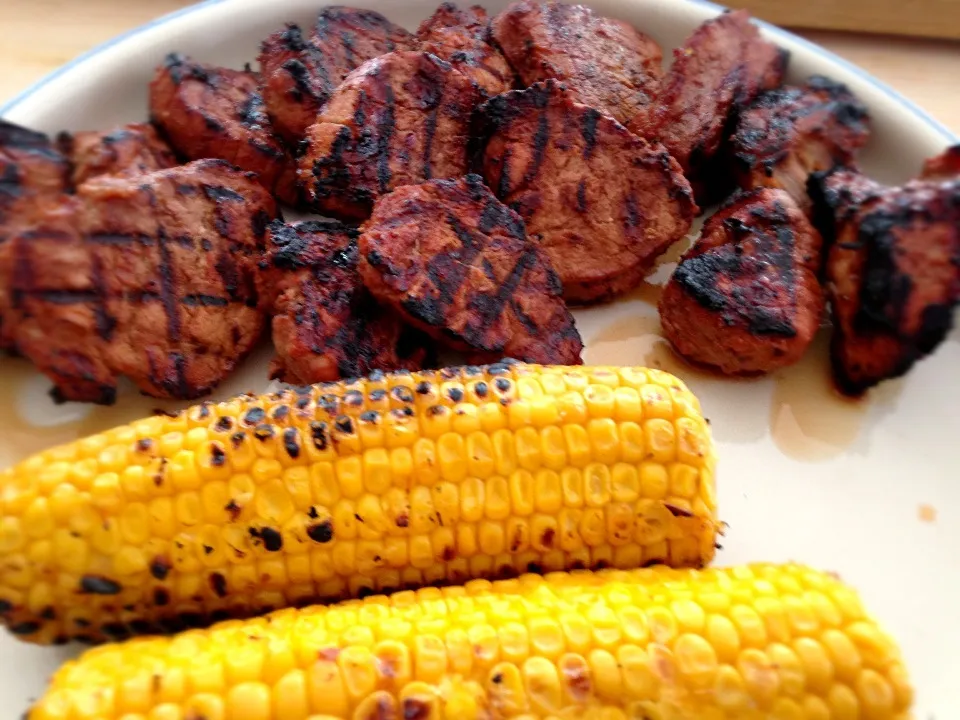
[(356, 488)]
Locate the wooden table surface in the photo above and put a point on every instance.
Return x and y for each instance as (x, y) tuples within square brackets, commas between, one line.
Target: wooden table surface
[(36, 36)]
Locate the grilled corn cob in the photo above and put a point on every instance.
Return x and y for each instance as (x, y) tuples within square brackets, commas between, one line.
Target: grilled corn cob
[(756, 642), (345, 489)]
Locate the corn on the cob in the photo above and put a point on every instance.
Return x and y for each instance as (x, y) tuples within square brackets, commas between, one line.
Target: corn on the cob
[(345, 489), (760, 642)]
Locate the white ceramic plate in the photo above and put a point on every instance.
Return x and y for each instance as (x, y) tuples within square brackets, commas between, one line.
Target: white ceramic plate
[(870, 490)]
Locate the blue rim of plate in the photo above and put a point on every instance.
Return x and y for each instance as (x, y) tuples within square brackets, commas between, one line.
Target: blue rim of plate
[(773, 30)]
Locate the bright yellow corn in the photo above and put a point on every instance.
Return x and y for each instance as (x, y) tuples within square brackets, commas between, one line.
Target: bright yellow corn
[(761, 642), (341, 490)]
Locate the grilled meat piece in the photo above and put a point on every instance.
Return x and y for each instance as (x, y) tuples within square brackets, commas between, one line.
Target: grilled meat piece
[(30, 165), (326, 326), (608, 64), (944, 166), (213, 112), (836, 195), (602, 202), (893, 274), (746, 298), (299, 73), (396, 120), (128, 150), (720, 69), (149, 276), (453, 260), (791, 132), (464, 39), (32, 173)]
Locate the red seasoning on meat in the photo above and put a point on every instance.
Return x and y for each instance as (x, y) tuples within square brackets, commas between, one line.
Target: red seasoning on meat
[(128, 150), (214, 112), (720, 69), (33, 173), (746, 298), (300, 72), (892, 272), (456, 262), (603, 203), (464, 39), (399, 119), (606, 62), (791, 132), (148, 276), (326, 326)]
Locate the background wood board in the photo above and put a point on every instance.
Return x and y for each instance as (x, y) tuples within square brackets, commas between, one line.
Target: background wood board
[(37, 36), (928, 18)]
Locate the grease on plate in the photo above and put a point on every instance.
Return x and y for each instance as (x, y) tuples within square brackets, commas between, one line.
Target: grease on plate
[(927, 513), (809, 419)]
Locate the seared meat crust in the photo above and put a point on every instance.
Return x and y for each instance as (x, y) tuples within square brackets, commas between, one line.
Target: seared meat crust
[(396, 120), (746, 298), (299, 73), (720, 69), (149, 276), (213, 112), (944, 166), (465, 40), (609, 64), (893, 273), (32, 173), (791, 132), (453, 260), (602, 202), (326, 326), (128, 150)]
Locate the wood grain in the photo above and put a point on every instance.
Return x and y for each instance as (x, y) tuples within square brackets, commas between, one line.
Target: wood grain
[(925, 18), (37, 36)]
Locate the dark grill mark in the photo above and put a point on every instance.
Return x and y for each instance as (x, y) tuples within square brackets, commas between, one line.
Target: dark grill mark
[(429, 131), (385, 130), (588, 128), (540, 139), (200, 300), (582, 196)]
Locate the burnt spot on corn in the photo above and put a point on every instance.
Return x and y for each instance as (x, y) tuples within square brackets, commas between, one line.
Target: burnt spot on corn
[(264, 432), (223, 424), (280, 413), (320, 435), (502, 384), (291, 442), (344, 424), (271, 540), (677, 511), (24, 628), (5, 607), (218, 455), (403, 520), (48, 613), (424, 388), (233, 510), (253, 416), (218, 583), (402, 394), (321, 532), (98, 585), (158, 476), (481, 389), (455, 394), (144, 445), (160, 567)]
